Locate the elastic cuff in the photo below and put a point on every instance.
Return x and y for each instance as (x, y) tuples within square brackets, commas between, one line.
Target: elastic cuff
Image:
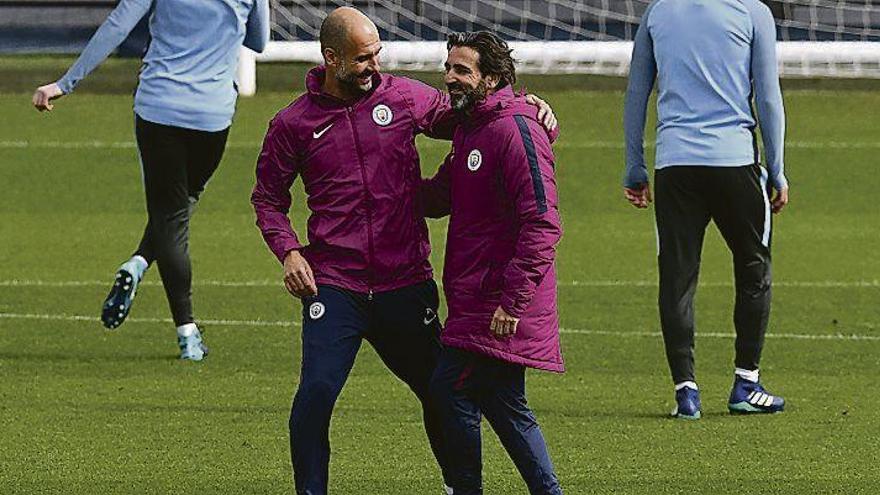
[(286, 248), (780, 183), (65, 86)]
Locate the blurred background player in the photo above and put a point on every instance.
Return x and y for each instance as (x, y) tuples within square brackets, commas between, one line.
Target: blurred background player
[(499, 278), (710, 58), (183, 108)]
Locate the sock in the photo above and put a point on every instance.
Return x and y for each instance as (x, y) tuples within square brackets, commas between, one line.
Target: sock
[(137, 265), (187, 329), (750, 375), (448, 489), (688, 384)]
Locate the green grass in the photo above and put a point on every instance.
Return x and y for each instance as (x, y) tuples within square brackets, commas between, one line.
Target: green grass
[(83, 410)]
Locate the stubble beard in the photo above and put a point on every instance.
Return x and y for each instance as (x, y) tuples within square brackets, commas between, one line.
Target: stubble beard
[(465, 98)]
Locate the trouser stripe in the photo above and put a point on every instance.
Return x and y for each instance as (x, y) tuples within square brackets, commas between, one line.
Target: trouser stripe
[(765, 238)]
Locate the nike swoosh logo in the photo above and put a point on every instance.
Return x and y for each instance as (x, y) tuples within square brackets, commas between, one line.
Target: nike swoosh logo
[(316, 135), (429, 319)]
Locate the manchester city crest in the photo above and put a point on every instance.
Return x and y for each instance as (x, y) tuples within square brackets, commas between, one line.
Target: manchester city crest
[(382, 115), (475, 159), (316, 310)]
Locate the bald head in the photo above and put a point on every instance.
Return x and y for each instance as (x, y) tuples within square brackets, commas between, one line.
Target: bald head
[(350, 47), (346, 27)]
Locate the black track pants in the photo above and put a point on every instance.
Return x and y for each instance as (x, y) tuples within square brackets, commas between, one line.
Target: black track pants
[(736, 199), (176, 164)]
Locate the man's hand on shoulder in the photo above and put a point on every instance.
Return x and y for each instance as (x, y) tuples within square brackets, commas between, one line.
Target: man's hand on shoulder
[(545, 113)]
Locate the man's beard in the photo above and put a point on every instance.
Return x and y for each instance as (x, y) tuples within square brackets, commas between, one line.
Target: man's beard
[(349, 80), (464, 98)]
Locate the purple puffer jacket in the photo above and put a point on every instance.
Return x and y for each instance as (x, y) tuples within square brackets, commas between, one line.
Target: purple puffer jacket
[(498, 186), (360, 167)]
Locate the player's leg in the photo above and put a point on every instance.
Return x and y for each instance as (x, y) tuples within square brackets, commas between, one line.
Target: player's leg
[(163, 157), (503, 401), (164, 161), (452, 386), (682, 215), (742, 213), (333, 324), (204, 150), (741, 209), (405, 332)]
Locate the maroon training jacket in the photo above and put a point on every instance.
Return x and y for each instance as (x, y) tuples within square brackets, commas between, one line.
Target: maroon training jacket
[(498, 187)]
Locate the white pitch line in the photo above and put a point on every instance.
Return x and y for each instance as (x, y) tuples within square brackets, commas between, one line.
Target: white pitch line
[(572, 331), (719, 335), (257, 144), (147, 283), (92, 319), (819, 284), (805, 284)]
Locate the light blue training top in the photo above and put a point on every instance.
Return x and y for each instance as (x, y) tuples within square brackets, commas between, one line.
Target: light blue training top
[(710, 57), (187, 75)]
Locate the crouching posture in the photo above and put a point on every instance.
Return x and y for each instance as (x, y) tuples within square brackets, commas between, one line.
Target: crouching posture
[(498, 187)]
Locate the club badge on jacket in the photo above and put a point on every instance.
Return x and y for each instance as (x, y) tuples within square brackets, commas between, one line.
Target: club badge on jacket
[(475, 159), (382, 115)]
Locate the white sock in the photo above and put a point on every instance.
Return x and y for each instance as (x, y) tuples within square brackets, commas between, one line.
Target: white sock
[(750, 375), (137, 265), (141, 262), (187, 329), (448, 489), (688, 384)]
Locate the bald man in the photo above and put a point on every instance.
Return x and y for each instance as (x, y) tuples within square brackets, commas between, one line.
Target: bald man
[(365, 273)]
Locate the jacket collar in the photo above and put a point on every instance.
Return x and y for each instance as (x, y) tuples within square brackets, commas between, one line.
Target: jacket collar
[(493, 106)]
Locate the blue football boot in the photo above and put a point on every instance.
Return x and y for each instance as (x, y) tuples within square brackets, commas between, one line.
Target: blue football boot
[(687, 402), (192, 347), (118, 301), (750, 397)]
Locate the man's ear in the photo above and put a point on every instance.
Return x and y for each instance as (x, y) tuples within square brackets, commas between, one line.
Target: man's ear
[(331, 57)]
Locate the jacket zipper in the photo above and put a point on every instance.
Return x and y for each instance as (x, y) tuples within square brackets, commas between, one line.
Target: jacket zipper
[(369, 199)]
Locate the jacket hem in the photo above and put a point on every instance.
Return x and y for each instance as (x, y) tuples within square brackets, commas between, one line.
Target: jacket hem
[(363, 288), (468, 345)]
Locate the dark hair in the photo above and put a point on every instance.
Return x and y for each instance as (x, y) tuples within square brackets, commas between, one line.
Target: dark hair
[(494, 54)]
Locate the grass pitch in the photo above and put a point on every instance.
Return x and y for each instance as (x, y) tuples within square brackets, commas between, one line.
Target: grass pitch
[(83, 410)]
